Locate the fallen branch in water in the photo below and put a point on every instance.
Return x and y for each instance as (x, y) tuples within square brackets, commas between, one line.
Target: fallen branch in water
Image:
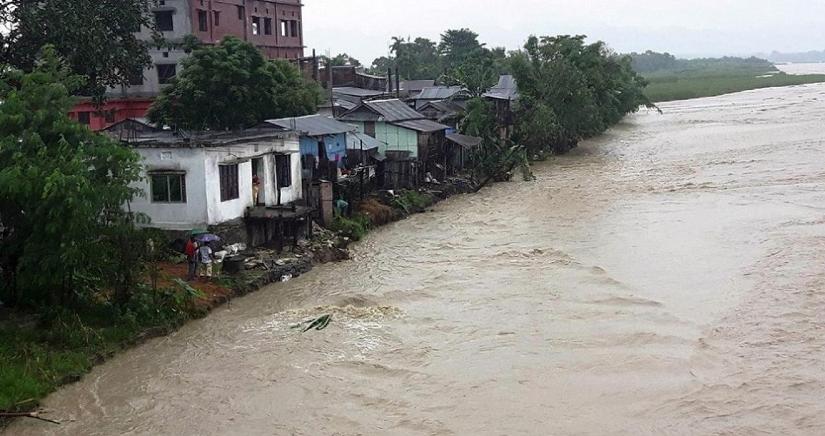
[(319, 323), (32, 415)]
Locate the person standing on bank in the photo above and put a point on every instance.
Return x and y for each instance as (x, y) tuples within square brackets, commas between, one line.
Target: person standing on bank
[(191, 252), (205, 260)]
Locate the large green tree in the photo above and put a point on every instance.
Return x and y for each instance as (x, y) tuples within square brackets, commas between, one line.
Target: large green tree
[(232, 86), (62, 189), (96, 38), (578, 89), (416, 59), (457, 46), (477, 74)]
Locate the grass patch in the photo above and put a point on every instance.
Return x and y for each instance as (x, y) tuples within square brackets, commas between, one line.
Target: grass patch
[(60, 346), (687, 85), (355, 227), (413, 201)]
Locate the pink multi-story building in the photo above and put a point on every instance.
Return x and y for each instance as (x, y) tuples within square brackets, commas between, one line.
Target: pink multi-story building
[(274, 26)]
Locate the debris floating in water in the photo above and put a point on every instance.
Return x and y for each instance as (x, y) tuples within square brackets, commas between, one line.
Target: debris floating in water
[(319, 323)]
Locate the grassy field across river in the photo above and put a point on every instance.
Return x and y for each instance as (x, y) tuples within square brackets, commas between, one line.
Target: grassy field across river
[(682, 86)]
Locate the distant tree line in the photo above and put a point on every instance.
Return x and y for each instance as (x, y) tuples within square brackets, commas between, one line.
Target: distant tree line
[(652, 62)]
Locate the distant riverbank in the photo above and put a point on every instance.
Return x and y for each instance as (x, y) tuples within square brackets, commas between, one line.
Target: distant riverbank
[(671, 86)]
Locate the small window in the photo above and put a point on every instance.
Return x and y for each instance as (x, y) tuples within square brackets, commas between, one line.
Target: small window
[(84, 118), (166, 72), (283, 170), (241, 13), (216, 21), (284, 28), (203, 21), (256, 25), (164, 22), (267, 26), (228, 175), (293, 28), (109, 116), (168, 187)]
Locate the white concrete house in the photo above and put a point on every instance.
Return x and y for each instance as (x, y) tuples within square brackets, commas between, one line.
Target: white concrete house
[(207, 179)]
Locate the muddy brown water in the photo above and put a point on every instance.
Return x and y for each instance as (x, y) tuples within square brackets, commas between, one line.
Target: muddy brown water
[(666, 278)]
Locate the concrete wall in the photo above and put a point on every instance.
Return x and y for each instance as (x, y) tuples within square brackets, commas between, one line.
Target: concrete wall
[(182, 26), (203, 205), (174, 216)]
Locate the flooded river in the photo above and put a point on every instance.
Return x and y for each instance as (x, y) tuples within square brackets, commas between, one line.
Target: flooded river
[(666, 278)]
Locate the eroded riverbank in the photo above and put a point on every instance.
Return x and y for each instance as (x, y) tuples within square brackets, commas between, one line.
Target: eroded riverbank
[(665, 278)]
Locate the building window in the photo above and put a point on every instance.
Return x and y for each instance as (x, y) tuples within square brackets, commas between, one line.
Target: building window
[(163, 21), (168, 187), (203, 21), (293, 28), (229, 182), (283, 170), (216, 18), (284, 29), (109, 116), (241, 13), (166, 72), (267, 26), (84, 118), (256, 25)]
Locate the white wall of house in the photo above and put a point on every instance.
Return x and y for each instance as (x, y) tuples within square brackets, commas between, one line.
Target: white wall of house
[(173, 216), (203, 206)]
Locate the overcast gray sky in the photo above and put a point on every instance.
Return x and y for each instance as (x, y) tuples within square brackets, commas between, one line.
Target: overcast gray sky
[(363, 28)]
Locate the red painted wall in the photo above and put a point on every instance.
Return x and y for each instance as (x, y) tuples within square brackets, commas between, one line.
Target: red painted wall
[(119, 110)]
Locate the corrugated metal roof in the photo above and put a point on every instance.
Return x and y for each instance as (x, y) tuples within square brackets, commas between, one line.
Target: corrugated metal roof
[(393, 110), (416, 85), (425, 126), (439, 92), (313, 125), (446, 106), (506, 89), (358, 92), (464, 140), (355, 141), (360, 114)]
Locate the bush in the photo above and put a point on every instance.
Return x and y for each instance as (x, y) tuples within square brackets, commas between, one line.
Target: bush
[(377, 212), (354, 228), (413, 201)]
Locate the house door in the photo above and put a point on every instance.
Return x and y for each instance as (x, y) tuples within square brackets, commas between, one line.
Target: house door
[(283, 173), (258, 191)]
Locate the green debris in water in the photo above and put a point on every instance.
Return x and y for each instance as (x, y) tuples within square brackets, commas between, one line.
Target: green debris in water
[(319, 323)]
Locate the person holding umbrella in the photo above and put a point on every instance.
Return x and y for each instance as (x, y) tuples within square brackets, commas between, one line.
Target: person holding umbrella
[(205, 260), (205, 255)]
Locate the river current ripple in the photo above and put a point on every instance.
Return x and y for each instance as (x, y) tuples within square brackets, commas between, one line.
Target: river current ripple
[(665, 278)]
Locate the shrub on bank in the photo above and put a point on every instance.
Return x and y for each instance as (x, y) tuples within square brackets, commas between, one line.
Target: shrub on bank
[(355, 227), (413, 201), (377, 212)]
